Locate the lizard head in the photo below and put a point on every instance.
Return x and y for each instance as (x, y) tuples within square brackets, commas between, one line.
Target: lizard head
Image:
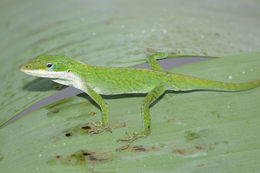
[(48, 66)]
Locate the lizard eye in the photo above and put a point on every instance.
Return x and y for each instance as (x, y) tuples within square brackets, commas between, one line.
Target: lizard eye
[(49, 66)]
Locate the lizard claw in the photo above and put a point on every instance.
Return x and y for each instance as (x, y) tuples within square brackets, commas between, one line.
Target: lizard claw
[(99, 128), (131, 138)]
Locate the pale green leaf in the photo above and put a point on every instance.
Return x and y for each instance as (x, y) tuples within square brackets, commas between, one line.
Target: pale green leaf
[(191, 132)]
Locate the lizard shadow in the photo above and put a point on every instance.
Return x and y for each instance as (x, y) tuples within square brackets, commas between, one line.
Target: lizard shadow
[(118, 96), (42, 84), (108, 97)]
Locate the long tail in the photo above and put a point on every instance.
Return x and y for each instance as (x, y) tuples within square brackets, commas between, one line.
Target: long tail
[(192, 83)]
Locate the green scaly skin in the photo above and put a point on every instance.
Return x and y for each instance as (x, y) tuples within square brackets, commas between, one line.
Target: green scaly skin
[(95, 80)]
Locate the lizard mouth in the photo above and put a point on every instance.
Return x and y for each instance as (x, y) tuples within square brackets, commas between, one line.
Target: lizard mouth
[(47, 74), (39, 73), (23, 67)]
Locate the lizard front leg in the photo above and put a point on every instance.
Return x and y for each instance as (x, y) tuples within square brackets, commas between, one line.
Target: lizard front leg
[(104, 124), (148, 100)]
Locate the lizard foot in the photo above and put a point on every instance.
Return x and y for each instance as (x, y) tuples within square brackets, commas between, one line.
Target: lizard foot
[(131, 138), (159, 55), (99, 128)]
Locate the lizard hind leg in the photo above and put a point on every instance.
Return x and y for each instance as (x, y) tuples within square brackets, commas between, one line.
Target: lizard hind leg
[(148, 100)]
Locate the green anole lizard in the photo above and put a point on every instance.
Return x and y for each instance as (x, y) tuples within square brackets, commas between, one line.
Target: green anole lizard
[(95, 80)]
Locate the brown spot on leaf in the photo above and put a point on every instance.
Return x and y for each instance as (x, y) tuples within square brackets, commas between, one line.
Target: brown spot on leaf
[(139, 148), (179, 151), (154, 147), (92, 158), (201, 165), (82, 157), (56, 111), (92, 113), (68, 134), (199, 147), (86, 128), (86, 153), (183, 151)]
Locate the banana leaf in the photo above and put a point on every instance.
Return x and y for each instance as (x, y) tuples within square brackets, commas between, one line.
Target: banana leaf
[(191, 131)]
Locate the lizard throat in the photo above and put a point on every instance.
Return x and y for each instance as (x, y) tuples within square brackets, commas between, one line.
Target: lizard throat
[(64, 78)]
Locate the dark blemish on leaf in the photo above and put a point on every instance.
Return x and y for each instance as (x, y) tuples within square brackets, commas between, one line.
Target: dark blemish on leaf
[(139, 148), (68, 70), (92, 113), (190, 136), (58, 157), (77, 130), (56, 111), (82, 157), (154, 147), (92, 158), (180, 151), (68, 134), (199, 147), (183, 151), (200, 165), (86, 128), (86, 154)]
